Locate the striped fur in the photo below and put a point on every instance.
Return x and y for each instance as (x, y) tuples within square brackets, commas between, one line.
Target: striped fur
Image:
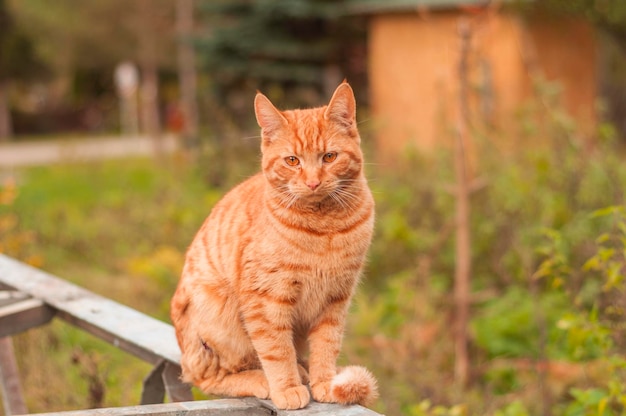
[(261, 304)]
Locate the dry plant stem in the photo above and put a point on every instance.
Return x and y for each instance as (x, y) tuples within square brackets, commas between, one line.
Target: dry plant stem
[(463, 248), (6, 129), (542, 358), (149, 89), (187, 69), (10, 380)]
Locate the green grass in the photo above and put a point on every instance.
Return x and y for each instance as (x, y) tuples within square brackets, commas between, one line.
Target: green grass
[(120, 229)]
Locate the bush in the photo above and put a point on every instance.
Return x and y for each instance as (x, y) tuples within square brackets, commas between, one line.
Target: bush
[(547, 284)]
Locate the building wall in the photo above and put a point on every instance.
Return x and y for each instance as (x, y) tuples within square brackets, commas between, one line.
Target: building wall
[(413, 60)]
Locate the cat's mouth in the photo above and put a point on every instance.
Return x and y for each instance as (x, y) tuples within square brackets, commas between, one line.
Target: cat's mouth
[(328, 196), (301, 196), (313, 195), (296, 196)]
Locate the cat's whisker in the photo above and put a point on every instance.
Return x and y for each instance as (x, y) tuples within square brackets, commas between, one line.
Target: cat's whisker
[(251, 137), (337, 199), (348, 199), (345, 197), (288, 198)]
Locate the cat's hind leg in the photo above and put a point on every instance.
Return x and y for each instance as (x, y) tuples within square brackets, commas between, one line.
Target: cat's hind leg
[(242, 384), (201, 367)]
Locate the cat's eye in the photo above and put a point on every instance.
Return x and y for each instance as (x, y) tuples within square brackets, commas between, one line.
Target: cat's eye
[(329, 157), (292, 161)]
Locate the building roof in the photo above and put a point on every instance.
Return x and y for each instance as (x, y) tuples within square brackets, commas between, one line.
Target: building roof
[(382, 6)]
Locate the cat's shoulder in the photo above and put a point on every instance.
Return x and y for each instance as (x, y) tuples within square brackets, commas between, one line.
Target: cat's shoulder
[(253, 187), (252, 184)]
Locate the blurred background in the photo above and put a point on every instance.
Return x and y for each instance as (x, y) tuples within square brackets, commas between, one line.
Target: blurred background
[(494, 134)]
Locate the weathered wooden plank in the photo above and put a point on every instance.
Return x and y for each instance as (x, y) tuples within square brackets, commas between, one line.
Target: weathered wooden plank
[(10, 386), (165, 378), (153, 391), (141, 335), (149, 339), (318, 409), (233, 407), (18, 313), (174, 387)]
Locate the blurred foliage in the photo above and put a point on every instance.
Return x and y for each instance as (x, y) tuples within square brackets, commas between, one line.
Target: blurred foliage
[(78, 92), (548, 269), (549, 261), (19, 60), (90, 224), (14, 241), (294, 50), (609, 15), (284, 48), (91, 41)]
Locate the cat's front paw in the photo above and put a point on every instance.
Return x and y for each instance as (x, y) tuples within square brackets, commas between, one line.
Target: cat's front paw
[(261, 390), (304, 375), (257, 383), (291, 398), (322, 392)]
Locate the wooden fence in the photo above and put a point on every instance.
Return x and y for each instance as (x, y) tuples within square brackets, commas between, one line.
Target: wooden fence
[(30, 297)]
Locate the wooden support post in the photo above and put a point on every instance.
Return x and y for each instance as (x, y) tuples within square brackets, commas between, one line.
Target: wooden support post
[(174, 387), (10, 386), (20, 312), (463, 243), (125, 328), (153, 388), (165, 378), (187, 77), (33, 297)]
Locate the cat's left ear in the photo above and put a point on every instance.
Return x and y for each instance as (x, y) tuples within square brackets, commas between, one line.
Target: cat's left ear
[(342, 106), (268, 116)]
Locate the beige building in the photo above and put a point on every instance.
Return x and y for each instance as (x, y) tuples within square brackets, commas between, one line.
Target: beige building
[(414, 51)]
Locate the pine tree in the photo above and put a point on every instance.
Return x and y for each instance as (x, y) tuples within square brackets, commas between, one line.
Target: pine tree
[(18, 62), (260, 44)]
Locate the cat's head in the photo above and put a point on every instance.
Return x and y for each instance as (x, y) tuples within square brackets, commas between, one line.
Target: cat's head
[(313, 154)]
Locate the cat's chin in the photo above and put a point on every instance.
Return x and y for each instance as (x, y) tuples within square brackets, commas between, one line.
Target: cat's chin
[(316, 203), (305, 196)]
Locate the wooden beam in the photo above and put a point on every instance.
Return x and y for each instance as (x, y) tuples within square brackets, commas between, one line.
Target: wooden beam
[(153, 391), (147, 338), (10, 386), (232, 407), (152, 340), (18, 313), (174, 387)]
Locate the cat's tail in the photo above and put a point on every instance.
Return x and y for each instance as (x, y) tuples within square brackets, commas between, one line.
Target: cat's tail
[(354, 385)]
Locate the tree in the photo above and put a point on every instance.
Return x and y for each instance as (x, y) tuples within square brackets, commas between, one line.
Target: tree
[(18, 62), (96, 36), (150, 21), (187, 69), (286, 43)]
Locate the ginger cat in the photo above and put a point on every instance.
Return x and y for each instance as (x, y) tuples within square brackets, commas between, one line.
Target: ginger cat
[(271, 273)]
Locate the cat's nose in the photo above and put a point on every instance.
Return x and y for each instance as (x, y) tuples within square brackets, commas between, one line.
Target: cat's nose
[(313, 184)]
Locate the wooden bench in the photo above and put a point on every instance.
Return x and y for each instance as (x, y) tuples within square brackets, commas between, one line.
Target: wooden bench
[(30, 297)]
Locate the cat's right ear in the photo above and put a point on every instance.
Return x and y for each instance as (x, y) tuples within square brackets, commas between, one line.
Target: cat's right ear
[(269, 118)]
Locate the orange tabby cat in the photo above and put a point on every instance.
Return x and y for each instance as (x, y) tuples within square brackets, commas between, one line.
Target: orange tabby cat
[(270, 274)]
